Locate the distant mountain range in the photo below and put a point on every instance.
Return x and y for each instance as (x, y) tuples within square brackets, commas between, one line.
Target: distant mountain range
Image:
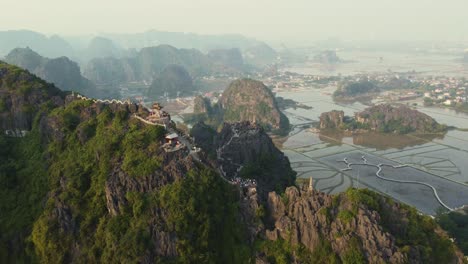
[(149, 62), (61, 71), (204, 43), (53, 46), (86, 48)]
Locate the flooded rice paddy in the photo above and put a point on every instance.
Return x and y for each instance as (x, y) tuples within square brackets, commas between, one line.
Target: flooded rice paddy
[(441, 161)]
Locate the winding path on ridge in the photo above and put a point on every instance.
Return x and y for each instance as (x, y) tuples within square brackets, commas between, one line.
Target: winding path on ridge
[(219, 151), (379, 167)]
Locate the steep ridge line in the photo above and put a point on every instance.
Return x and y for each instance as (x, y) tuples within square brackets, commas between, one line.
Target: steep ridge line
[(192, 153), (148, 122), (379, 167), (112, 101)]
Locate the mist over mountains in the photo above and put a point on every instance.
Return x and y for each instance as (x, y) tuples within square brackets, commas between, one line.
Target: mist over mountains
[(61, 71), (85, 48), (53, 46), (98, 66)]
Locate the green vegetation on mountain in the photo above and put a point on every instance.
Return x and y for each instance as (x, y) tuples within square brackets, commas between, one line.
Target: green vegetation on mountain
[(243, 100), (61, 71), (383, 118), (23, 188), (410, 228), (408, 236), (282, 252), (75, 212), (351, 90), (54, 186), (89, 183), (188, 212), (456, 224), (354, 89)]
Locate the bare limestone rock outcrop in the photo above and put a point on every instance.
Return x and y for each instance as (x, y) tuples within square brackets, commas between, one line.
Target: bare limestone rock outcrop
[(331, 120)]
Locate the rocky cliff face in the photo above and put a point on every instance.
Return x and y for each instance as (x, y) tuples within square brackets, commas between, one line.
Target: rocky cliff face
[(174, 167), (244, 150), (250, 100), (331, 120), (308, 218)]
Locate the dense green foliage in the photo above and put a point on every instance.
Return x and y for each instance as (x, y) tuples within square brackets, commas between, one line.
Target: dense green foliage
[(351, 124), (19, 81), (351, 88), (355, 88), (416, 235), (83, 161), (396, 126), (353, 255), (386, 118), (200, 210), (456, 224), (23, 187), (263, 169), (282, 252), (409, 227)]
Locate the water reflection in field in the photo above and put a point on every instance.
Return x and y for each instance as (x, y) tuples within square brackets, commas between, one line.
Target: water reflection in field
[(434, 155)]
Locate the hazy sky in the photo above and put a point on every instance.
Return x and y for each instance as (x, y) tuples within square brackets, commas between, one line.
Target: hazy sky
[(288, 20)]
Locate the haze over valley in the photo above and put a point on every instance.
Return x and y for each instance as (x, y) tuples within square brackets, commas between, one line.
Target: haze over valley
[(234, 132)]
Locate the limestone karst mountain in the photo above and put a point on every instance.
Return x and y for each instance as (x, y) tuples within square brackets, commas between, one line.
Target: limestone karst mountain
[(88, 182), (61, 71)]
